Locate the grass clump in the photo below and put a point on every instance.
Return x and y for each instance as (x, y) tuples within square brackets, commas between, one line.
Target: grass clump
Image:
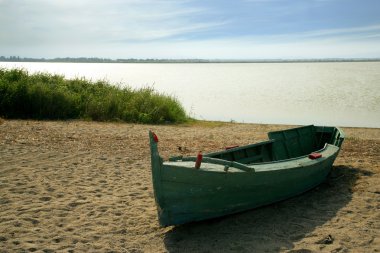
[(47, 96)]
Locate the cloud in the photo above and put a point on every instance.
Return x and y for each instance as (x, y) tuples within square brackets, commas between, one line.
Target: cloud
[(350, 30), (73, 22), (322, 35), (174, 29)]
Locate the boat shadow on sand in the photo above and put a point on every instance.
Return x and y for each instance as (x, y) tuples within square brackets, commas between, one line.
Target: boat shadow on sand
[(271, 228)]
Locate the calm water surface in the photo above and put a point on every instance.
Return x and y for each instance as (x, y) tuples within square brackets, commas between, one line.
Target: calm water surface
[(343, 94)]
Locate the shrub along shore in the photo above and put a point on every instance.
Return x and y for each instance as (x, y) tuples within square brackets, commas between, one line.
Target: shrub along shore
[(48, 96)]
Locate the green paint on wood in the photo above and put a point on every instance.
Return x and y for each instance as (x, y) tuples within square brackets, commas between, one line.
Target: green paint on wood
[(242, 178)]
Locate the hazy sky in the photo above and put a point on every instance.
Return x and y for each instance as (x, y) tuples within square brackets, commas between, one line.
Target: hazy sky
[(214, 29)]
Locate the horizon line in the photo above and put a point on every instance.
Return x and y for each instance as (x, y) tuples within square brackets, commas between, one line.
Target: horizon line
[(178, 60)]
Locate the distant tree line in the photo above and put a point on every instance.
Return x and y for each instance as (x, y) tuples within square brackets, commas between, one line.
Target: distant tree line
[(133, 60), (99, 60)]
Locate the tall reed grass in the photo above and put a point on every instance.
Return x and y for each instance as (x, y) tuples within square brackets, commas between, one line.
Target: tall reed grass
[(48, 96)]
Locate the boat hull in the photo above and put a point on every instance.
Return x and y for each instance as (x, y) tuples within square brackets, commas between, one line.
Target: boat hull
[(184, 194), (191, 195)]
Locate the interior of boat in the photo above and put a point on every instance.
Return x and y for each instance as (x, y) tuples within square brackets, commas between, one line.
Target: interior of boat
[(282, 145)]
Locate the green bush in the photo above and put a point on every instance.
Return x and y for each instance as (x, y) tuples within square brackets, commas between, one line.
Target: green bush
[(47, 96)]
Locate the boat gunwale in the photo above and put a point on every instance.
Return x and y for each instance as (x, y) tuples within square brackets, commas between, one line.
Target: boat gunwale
[(278, 165), (270, 141)]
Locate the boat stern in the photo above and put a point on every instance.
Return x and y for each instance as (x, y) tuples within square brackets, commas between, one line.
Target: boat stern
[(156, 166)]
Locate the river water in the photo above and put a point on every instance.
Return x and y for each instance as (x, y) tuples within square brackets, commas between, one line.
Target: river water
[(329, 93)]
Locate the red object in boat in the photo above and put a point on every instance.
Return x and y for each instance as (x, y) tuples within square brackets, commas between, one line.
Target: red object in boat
[(155, 138), (229, 147), (199, 160), (314, 156)]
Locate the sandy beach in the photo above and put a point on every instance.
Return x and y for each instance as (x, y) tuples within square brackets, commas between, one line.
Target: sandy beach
[(75, 186)]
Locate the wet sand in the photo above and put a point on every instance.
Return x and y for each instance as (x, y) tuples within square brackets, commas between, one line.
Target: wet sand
[(75, 186)]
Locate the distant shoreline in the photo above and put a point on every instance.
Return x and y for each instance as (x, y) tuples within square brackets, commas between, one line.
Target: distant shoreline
[(132, 60)]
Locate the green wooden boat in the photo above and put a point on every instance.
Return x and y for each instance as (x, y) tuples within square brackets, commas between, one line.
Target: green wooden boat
[(291, 162)]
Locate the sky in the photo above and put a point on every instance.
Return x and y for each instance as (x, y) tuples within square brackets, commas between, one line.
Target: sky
[(190, 29)]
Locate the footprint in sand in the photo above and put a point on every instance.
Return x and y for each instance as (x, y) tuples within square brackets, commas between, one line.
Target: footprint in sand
[(17, 224), (60, 195), (50, 189), (33, 221), (57, 240), (45, 198), (4, 201)]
